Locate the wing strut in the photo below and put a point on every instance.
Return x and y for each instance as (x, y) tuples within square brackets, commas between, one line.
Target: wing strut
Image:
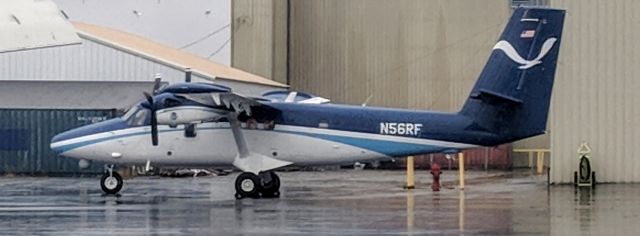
[(246, 160)]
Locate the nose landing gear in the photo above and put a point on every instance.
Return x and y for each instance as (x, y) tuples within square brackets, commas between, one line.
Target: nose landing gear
[(266, 185), (111, 182)]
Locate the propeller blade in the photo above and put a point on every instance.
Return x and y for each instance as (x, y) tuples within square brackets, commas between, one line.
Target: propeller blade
[(149, 98), (154, 128), (154, 119)]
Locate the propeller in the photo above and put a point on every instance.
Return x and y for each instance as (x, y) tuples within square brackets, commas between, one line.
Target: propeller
[(154, 120), (153, 107)]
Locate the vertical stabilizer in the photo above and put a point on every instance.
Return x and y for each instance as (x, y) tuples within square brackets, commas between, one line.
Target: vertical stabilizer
[(512, 95)]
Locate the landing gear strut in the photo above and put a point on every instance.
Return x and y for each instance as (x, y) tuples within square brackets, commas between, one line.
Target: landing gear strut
[(111, 182), (266, 184)]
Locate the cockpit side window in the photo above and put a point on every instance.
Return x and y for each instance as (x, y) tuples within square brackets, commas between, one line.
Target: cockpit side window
[(130, 112), (139, 117)]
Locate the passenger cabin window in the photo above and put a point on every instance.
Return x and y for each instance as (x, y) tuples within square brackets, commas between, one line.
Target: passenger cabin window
[(323, 124), (190, 131)]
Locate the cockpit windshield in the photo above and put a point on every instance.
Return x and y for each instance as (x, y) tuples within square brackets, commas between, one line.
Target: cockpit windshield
[(137, 116)]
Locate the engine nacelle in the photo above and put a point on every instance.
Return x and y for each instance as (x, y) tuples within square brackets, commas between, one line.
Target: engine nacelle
[(186, 115)]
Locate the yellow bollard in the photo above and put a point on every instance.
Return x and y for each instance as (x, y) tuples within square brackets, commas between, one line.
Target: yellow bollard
[(540, 163), (461, 169), (411, 183)]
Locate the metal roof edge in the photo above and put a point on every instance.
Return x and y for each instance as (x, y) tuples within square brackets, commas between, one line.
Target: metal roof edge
[(146, 56)]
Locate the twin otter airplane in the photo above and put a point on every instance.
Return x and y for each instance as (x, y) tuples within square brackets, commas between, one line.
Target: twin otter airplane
[(198, 124)]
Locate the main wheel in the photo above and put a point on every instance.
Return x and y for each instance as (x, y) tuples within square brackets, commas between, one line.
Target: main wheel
[(247, 185), (270, 184), (111, 184)]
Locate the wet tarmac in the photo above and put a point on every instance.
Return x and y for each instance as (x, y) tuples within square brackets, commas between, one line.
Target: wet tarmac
[(344, 202)]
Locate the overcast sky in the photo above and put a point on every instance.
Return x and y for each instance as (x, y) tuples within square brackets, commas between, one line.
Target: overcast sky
[(174, 22)]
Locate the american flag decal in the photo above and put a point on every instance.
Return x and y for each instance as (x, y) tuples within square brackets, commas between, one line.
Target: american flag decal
[(528, 34)]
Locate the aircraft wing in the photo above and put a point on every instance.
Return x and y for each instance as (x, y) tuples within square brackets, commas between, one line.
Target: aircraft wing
[(229, 101), (33, 24)]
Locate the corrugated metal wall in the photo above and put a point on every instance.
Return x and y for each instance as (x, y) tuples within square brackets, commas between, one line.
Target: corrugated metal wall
[(407, 53), (92, 61), (25, 137), (259, 39), (596, 95)]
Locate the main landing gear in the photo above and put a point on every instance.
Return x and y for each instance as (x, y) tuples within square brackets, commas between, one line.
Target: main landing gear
[(111, 182), (266, 185)]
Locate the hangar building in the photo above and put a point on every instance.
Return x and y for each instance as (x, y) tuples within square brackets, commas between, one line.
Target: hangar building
[(427, 55)]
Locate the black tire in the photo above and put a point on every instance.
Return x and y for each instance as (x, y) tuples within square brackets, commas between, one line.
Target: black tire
[(584, 171), (272, 188), (107, 184), (247, 185)]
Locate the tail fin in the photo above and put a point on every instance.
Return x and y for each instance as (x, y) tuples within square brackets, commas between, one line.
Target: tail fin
[(512, 95)]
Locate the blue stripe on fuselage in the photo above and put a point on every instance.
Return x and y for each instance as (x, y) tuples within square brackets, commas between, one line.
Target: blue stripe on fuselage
[(388, 148), (69, 147)]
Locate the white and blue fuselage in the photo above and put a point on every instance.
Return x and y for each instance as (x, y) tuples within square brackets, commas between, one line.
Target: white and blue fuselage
[(120, 141)]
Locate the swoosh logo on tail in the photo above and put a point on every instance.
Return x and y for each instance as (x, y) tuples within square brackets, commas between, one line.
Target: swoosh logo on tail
[(515, 56)]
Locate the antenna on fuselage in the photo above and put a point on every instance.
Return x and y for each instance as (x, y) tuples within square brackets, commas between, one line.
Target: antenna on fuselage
[(364, 104), (187, 75), (156, 84)]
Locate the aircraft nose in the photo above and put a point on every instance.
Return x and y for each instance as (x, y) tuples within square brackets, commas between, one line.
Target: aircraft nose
[(58, 144), (71, 139), (58, 137), (55, 144)]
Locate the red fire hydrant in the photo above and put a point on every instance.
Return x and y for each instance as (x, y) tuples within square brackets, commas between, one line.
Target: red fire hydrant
[(435, 171)]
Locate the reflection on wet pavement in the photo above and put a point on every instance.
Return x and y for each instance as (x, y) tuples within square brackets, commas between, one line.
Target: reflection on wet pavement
[(333, 202)]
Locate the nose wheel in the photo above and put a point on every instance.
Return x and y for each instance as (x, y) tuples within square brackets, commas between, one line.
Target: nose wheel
[(267, 184), (111, 182)]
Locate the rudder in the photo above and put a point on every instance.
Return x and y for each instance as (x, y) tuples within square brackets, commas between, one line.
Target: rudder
[(512, 95)]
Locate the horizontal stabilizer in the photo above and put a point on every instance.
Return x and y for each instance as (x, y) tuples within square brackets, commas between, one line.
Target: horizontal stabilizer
[(492, 97)]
